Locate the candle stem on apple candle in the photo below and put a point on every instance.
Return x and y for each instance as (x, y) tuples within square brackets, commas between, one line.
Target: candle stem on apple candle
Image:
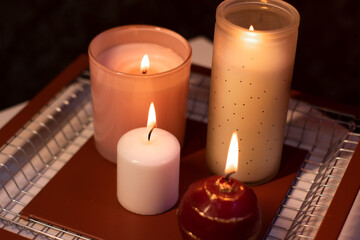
[(225, 185), (228, 175)]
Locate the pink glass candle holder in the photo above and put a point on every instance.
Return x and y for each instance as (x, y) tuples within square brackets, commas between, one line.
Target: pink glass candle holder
[(122, 91)]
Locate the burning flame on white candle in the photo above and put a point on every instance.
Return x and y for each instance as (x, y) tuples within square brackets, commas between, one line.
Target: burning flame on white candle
[(151, 116), (251, 28), (145, 64), (233, 155)]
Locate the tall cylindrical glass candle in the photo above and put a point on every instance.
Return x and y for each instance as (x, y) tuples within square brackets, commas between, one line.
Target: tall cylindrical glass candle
[(253, 59), (122, 91)]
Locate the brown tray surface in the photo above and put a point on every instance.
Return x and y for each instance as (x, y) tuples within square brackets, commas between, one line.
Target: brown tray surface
[(7, 235), (82, 196)]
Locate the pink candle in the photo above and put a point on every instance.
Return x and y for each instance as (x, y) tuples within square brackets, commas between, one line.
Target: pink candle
[(121, 93)]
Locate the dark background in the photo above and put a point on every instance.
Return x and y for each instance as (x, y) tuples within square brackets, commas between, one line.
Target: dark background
[(39, 38)]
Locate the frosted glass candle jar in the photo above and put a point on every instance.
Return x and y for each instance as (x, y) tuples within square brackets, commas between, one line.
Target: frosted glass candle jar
[(250, 83), (121, 93)]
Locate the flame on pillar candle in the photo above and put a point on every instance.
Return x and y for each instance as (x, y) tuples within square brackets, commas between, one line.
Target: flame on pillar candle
[(145, 64), (151, 116), (251, 28), (233, 155), (151, 123)]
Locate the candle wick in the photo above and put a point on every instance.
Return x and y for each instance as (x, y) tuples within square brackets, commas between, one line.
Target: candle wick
[(228, 175), (144, 71), (149, 135)]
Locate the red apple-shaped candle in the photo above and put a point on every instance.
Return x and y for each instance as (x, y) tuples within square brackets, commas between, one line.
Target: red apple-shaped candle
[(220, 207)]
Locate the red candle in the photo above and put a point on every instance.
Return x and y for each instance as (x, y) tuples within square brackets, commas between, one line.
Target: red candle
[(220, 207)]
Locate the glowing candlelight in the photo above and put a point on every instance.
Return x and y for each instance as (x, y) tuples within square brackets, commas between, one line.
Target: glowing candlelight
[(233, 155), (151, 123), (151, 116), (145, 64)]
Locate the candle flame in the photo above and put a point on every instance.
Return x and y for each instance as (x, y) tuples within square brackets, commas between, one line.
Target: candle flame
[(233, 155), (151, 116), (145, 64), (251, 28)]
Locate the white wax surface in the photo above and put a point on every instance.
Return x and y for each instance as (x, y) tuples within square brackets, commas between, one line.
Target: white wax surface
[(126, 58), (148, 171)]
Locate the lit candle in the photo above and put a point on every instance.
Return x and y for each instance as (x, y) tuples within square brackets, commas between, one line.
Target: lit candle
[(145, 64), (148, 162), (220, 207), (161, 58), (121, 91), (253, 59)]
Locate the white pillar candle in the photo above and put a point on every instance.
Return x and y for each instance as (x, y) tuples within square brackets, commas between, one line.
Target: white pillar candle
[(148, 171), (250, 83)]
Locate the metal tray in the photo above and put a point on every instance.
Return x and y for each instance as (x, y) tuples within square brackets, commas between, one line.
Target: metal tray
[(51, 137)]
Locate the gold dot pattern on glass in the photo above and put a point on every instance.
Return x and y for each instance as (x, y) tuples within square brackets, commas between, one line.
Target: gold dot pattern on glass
[(254, 107)]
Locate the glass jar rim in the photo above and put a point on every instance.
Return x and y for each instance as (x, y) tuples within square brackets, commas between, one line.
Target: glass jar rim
[(224, 9), (186, 60)]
